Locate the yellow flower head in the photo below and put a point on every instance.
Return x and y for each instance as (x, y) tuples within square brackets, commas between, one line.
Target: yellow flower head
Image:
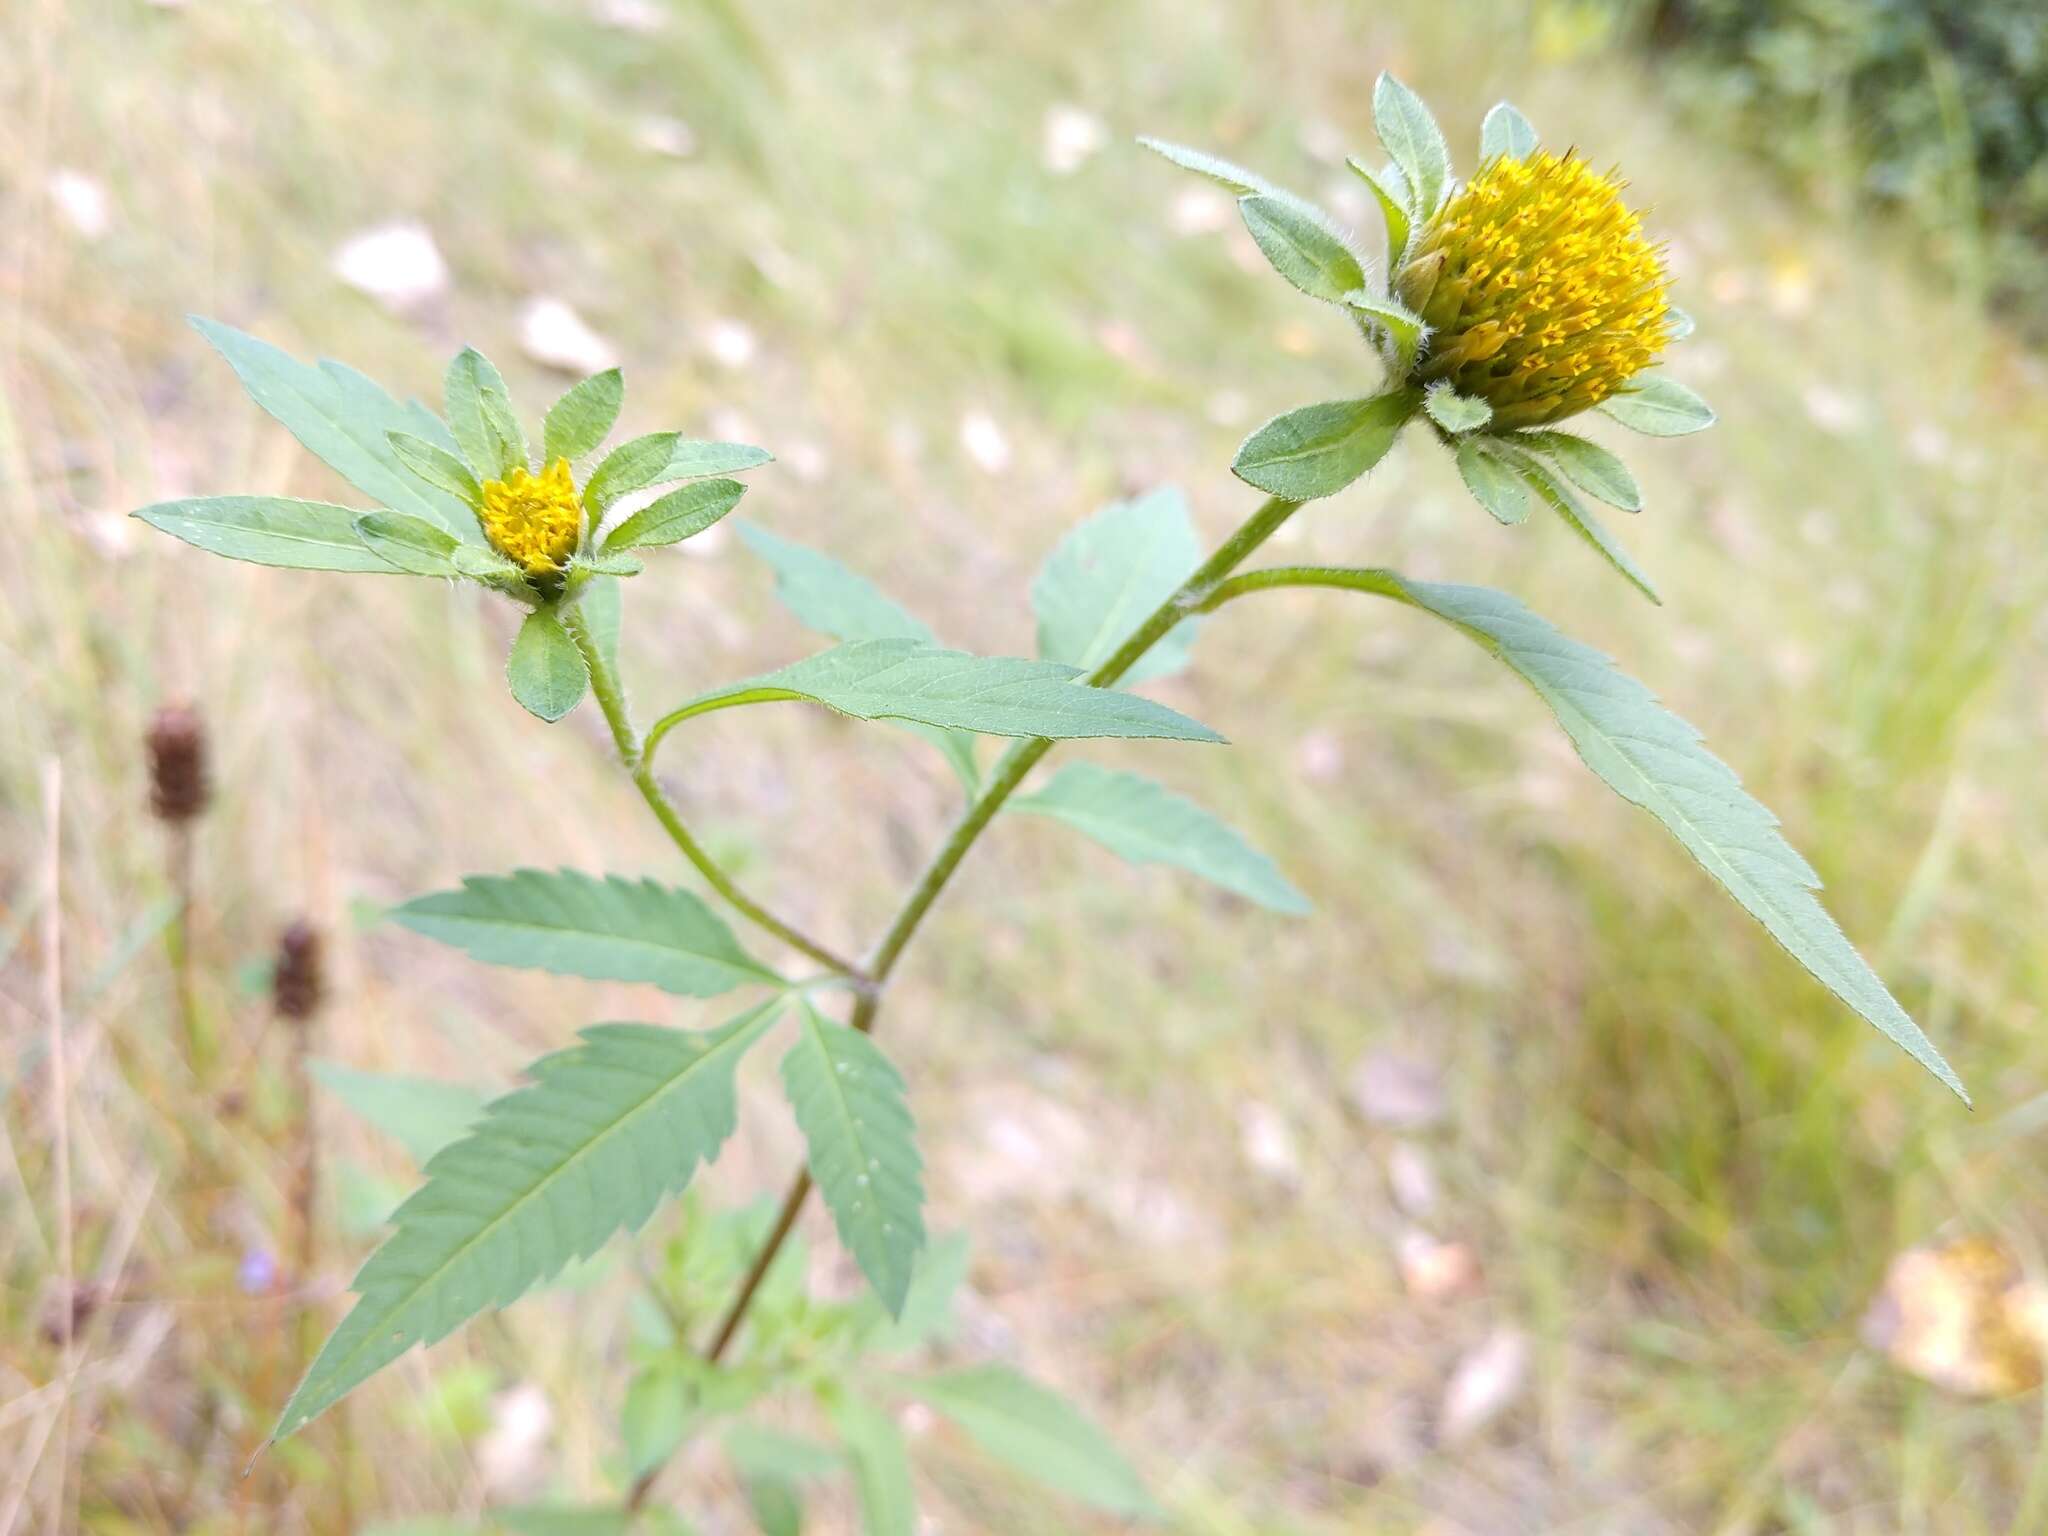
[(1541, 292), (533, 519)]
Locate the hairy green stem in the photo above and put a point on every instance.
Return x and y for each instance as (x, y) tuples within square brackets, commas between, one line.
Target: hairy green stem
[(1193, 596), (611, 699)]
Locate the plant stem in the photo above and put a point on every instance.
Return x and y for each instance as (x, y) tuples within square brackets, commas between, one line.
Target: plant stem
[(611, 699), (1193, 595)]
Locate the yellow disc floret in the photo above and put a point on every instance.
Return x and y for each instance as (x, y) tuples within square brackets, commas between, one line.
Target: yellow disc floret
[(1541, 292), (533, 519)]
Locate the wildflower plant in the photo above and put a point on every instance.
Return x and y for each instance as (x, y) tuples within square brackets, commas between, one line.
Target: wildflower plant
[(1498, 311)]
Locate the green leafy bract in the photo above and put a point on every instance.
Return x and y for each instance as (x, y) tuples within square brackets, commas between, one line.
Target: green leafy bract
[(633, 465), (269, 530), (1659, 407), (1039, 1433), (578, 925), (1149, 824), (1493, 480), (545, 671), (584, 416), (1413, 139), (1506, 133), (1654, 759), (1107, 576), (692, 457), (1555, 494), (1239, 180), (480, 415), (849, 1103), (1588, 466), (1454, 412), (1317, 450), (1391, 193), (683, 513), (608, 1128), (993, 695), (344, 419), (1303, 245), (410, 544)]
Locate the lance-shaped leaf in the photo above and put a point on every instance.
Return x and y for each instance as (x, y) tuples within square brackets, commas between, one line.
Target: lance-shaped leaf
[(1555, 494), (1106, 577), (1039, 1433), (1148, 823), (691, 457), (578, 925), (1659, 407), (1395, 329), (994, 695), (345, 420), (545, 671), (269, 530), (1413, 139), (583, 417), (1506, 133), (480, 415), (1303, 245), (437, 467), (862, 1146), (826, 596), (639, 462), (607, 1129), (1319, 449), (1588, 466), (1654, 759), (410, 544), (1235, 177), (681, 514)]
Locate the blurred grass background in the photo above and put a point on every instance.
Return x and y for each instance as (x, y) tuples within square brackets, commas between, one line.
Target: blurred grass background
[(1681, 1169)]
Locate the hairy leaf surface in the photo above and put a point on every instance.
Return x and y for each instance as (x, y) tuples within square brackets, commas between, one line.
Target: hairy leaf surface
[(269, 530), (1106, 577)]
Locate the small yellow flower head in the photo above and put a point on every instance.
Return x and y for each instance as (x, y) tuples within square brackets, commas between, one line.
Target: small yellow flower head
[(1541, 292), (534, 519)]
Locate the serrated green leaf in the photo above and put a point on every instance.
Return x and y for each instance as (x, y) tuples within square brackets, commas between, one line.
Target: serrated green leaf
[(584, 416), (994, 695), (681, 514), (1413, 139), (655, 1417), (422, 1114), (545, 671), (1506, 133), (1393, 201), (1454, 412), (862, 1148), (881, 1466), (480, 416), (1235, 177), (691, 458), (269, 530), (1494, 482), (1588, 466), (608, 1128), (1659, 407), (1654, 759), (632, 466), (342, 418), (1039, 1433), (437, 467), (1108, 574), (1556, 495), (1147, 823), (1303, 245), (1395, 329), (575, 924), (826, 596), (410, 544), (1317, 450)]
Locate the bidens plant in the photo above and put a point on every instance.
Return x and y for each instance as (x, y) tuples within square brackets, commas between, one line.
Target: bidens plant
[(1498, 309)]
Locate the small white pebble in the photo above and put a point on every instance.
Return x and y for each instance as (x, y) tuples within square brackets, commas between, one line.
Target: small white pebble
[(663, 135), (397, 264), (555, 336), (984, 442), (641, 17), (731, 343), (82, 201), (1071, 137)]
